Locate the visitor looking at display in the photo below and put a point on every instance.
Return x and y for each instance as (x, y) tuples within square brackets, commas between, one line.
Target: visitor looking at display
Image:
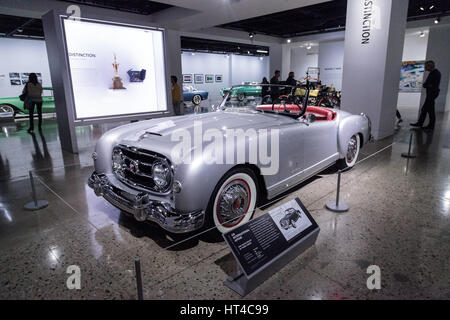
[(275, 91), (432, 86), (33, 97), (177, 98)]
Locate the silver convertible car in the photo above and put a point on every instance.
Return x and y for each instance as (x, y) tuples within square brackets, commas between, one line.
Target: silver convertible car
[(213, 169)]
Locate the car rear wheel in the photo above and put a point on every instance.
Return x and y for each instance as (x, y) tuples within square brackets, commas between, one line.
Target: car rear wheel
[(352, 154), (196, 99), (233, 201), (241, 96)]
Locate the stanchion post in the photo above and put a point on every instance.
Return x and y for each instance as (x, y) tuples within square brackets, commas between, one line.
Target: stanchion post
[(337, 206), (137, 265), (35, 204), (409, 154)]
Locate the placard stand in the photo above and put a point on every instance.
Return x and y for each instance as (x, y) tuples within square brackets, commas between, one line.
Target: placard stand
[(243, 285), (264, 245)]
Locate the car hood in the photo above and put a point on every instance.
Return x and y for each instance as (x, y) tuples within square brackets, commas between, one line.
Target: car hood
[(159, 135)]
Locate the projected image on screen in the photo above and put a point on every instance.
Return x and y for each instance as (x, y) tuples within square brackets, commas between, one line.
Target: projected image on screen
[(115, 69)]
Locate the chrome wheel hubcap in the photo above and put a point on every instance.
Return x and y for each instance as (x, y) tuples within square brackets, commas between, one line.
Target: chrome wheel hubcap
[(233, 203), (352, 149), (197, 100)]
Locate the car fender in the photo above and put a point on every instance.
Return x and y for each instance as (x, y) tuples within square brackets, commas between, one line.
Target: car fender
[(349, 126)]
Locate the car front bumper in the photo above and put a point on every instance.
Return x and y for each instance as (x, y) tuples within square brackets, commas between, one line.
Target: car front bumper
[(143, 207)]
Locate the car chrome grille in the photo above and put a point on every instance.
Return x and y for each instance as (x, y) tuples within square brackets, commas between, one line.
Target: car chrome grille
[(138, 167)]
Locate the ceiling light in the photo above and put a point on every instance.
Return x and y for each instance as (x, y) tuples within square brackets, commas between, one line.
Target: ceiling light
[(422, 8), (422, 34), (308, 47), (432, 6), (251, 35), (260, 58), (248, 52), (288, 40), (20, 30), (262, 51), (437, 20), (193, 53)]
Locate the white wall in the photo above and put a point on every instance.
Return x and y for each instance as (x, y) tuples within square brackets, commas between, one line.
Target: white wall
[(331, 61), (301, 59), (207, 63), (415, 48), (247, 68), (235, 69), (20, 55)]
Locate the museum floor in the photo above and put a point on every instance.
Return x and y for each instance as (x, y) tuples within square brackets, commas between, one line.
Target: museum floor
[(399, 220)]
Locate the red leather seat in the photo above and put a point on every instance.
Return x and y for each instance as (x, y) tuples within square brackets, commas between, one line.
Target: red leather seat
[(322, 114)]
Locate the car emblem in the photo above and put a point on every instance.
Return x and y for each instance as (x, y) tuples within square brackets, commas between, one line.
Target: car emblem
[(133, 167)]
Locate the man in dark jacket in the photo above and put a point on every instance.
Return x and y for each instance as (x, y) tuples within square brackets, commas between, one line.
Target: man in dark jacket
[(290, 81), (275, 90), (432, 86)]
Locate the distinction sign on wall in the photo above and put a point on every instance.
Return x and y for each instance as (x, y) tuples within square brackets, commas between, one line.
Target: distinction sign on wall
[(115, 69)]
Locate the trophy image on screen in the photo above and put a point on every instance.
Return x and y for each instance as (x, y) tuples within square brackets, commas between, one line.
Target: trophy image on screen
[(117, 81)]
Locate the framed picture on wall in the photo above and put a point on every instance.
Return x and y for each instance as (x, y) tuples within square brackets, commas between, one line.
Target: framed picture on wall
[(219, 78), (14, 75), (198, 78), (15, 82), (187, 78), (209, 78)]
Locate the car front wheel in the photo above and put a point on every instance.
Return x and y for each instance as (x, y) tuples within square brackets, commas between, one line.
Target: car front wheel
[(352, 154), (233, 201), (197, 99)]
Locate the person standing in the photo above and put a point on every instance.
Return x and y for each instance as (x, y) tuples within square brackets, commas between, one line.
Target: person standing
[(290, 81), (275, 90), (432, 86), (265, 88), (177, 97), (33, 90)]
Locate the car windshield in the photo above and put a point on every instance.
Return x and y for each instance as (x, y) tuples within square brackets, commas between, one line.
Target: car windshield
[(264, 97), (189, 88)]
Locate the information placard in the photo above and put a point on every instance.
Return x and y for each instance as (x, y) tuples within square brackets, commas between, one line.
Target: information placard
[(262, 240)]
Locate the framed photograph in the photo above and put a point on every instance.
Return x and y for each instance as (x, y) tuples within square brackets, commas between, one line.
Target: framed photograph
[(219, 78), (411, 76), (198, 78), (209, 78), (24, 81), (14, 75), (25, 75), (187, 78), (16, 82)]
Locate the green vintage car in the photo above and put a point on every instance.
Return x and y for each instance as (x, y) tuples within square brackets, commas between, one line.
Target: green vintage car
[(15, 106), (241, 92)]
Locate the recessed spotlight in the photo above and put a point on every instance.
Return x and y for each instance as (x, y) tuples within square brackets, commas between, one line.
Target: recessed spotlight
[(20, 30), (193, 53), (432, 6), (308, 47), (261, 58), (288, 40), (437, 20), (422, 34), (422, 8), (251, 35)]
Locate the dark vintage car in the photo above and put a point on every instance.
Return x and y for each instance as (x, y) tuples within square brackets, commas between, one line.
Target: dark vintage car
[(291, 216)]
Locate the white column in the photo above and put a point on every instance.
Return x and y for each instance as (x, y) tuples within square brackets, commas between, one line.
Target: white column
[(439, 51), (276, 58), (374, 37)]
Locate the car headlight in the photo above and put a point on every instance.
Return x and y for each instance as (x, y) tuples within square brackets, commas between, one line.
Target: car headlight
[(162, 175), (117, 161)]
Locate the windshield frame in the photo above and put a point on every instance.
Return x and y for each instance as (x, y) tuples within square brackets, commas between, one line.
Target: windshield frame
[(302, 109)]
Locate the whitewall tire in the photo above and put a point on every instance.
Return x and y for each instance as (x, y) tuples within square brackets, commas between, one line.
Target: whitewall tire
[(352, 152), (234, 201)]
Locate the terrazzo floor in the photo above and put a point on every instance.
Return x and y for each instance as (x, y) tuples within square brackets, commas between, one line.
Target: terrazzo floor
[(399, 220)]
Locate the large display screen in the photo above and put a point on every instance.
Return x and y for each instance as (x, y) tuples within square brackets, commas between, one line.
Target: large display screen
[(115, 69)]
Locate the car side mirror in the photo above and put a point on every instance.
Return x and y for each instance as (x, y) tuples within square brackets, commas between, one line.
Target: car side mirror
[(310, 118)]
